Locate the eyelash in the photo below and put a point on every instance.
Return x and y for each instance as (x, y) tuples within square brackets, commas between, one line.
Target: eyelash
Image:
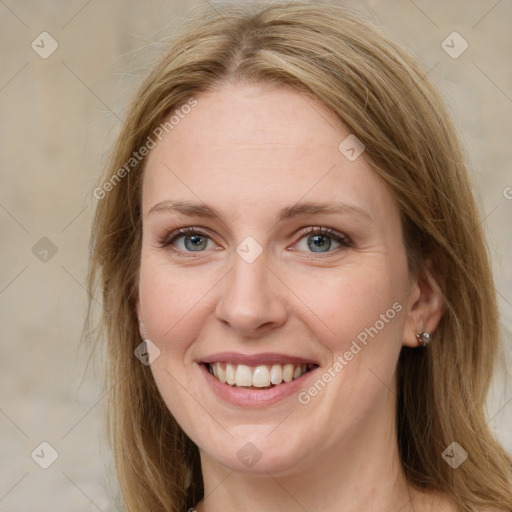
[(168, 240)]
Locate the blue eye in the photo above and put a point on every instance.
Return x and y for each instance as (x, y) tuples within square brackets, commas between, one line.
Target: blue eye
[(194, 241), (318, 240)]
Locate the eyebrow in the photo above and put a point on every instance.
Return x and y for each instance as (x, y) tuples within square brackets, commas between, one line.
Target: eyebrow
[(191, 209)]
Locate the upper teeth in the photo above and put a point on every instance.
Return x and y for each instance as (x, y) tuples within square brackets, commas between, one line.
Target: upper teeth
[(259, 376)]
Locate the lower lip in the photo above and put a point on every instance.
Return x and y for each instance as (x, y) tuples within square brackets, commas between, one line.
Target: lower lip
[(247, 397)]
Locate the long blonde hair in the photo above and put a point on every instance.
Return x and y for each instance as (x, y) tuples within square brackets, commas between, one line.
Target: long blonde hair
[(380, 92)]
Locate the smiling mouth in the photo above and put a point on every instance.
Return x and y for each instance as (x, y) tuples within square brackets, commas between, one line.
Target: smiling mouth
[(262, 376)]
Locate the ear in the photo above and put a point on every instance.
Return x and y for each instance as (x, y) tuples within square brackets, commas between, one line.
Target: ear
[(425, 306)]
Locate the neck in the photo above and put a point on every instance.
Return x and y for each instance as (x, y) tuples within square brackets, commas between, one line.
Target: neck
[(361, 473)]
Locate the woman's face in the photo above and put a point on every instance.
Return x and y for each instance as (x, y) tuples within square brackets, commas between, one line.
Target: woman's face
[(253, 293)]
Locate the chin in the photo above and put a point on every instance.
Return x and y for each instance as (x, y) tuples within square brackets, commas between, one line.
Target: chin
[(259, 450)]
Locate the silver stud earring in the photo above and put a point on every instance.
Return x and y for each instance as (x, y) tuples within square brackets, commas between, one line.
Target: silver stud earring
[(423, 338), (142, 329)]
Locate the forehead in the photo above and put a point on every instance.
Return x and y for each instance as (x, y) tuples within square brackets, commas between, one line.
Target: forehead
[(252, 147)]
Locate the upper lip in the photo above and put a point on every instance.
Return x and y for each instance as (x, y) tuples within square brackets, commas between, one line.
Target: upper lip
[(255, 359)]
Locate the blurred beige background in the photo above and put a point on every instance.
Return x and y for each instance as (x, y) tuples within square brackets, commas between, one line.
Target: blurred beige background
[(58, 116)]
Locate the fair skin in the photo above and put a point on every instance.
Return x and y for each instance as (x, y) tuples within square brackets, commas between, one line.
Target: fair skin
[(248, 151)]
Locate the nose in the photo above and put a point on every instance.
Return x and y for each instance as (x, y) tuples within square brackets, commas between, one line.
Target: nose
[(252, 301)]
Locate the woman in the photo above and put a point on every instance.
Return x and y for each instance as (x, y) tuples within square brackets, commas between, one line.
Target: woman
[(298, 304)]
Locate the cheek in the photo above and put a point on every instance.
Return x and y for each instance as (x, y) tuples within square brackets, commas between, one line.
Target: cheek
[(337, 305), (171, 307), (362, 301), (364, 314), (171, 300)]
